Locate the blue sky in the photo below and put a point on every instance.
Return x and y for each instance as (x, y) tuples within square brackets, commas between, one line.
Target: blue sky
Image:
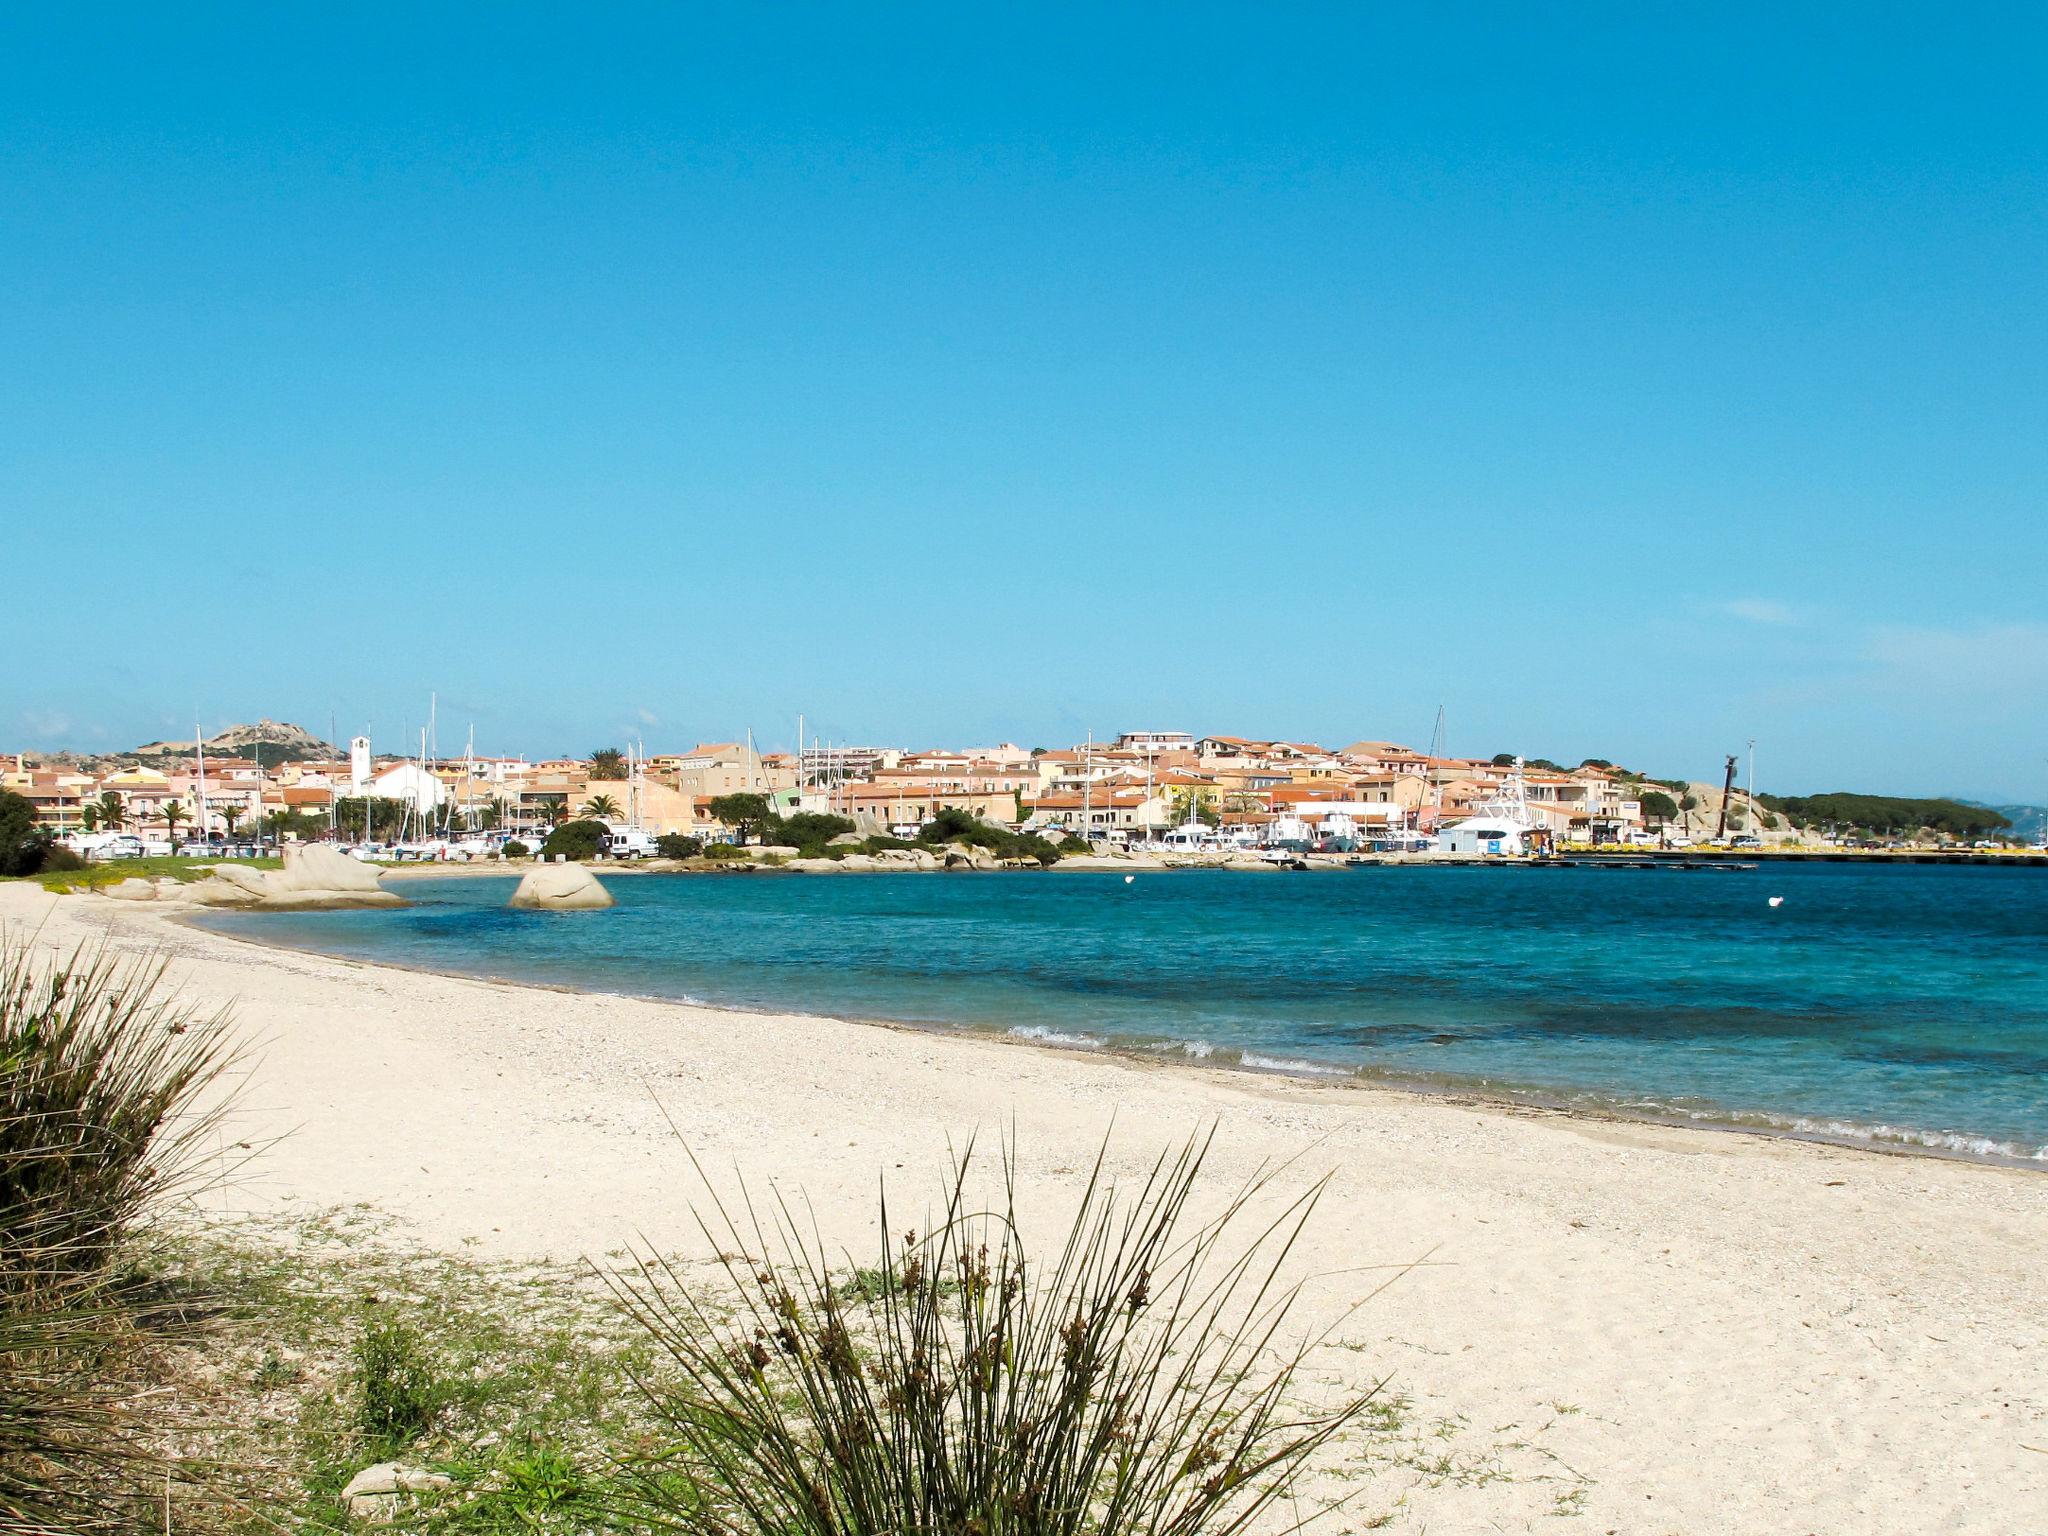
[(1631, 383)]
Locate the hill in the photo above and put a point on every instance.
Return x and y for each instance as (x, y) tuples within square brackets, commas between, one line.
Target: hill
[(267, 741)]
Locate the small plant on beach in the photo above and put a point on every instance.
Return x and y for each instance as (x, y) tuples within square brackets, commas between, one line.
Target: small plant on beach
[(398, 1392), (1134, 1380), (675, 845), (515, 849), (101, 1069)]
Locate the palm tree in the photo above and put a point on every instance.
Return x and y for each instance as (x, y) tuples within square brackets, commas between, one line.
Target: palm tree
[(230, 813), (601, 806), (607, 763), (111, 811), (173, 814)]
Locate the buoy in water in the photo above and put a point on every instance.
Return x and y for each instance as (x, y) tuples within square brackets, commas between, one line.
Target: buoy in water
[(1777, 901), (1129, 879)]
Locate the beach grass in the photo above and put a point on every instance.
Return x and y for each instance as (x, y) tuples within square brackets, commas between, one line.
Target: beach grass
[(102, 1070), (113, 871), (1138, 1374)]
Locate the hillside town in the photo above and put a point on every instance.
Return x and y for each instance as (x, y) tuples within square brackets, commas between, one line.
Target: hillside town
[(270, 784)]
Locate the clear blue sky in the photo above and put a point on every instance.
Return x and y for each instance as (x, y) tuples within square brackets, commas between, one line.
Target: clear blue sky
[(1632, 380)]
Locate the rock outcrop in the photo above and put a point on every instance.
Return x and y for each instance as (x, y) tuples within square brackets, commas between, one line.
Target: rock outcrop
[(560, 888), (376, 1493), (314, 876)]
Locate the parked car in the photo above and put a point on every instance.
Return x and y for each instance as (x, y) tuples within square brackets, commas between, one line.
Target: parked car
[(1747, 840), (630, 843)]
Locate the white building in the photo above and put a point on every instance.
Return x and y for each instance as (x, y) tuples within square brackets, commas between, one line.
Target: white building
[(411, 783), (1152, 743)]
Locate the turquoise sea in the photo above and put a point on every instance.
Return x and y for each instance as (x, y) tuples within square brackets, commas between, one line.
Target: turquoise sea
[(1902, 1006)]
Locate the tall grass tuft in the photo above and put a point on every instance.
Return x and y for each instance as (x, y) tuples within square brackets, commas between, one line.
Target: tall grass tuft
[(101, 1068), (1135, 1381), (101, 1071)]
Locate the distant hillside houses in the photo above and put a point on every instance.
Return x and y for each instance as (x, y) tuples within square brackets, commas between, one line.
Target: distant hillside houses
[(1137, 785)]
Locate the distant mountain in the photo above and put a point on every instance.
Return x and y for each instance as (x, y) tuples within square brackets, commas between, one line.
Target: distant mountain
[(2027, 820), (268, 741)]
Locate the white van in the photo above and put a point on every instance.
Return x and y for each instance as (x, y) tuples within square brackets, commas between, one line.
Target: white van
[(631, 843)]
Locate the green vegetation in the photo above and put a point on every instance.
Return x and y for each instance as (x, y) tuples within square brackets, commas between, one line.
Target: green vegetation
[(953, 825), (385, 817), (576, 839), (515, 849), (809, 832), (601, 807), (101, 1074), (1657, 806), (675, 845), (607, 763), (1134, 1381), (744, 813), (725, 853), (1886, 814), (24, 847), (74, 874), (398, 1392)]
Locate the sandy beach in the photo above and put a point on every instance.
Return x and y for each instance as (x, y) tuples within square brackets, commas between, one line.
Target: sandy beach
[(1620, 1327)]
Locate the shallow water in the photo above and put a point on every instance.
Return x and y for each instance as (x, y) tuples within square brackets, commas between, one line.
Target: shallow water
[(1896, 1005)]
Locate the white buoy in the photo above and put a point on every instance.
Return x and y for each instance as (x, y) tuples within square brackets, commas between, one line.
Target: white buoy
[(1128, 879), (1777, 901)]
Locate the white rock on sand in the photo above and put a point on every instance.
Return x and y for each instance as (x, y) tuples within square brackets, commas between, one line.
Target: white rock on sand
[(373, 1493), (560, 888), (313, 876)]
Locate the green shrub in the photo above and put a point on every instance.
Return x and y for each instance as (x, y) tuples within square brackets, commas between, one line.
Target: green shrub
[(515, 849), (397, 1393), (1131, 1380), (806, 829), (723, 853), (577, 839), (59, 860), (1073, 844), (100, 1067), (100, 1073), (674, 845), (23, 845)]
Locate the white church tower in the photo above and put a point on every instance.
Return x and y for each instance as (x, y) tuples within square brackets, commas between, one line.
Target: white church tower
[(358, 766)]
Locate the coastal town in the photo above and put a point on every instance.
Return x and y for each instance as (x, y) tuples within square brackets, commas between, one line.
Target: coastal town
[(1171, 791)]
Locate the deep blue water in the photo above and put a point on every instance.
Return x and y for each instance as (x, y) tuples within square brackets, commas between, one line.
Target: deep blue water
[(1904, 1005)]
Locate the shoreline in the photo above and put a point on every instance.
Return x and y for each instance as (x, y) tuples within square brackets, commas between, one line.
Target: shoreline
[(1172, 1056), (1646, 1329)]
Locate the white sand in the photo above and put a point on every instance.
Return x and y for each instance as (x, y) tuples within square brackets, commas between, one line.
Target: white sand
[(1624, 1328)]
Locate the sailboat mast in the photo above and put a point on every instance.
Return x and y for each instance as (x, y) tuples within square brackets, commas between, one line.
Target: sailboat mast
[(199, 759)]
